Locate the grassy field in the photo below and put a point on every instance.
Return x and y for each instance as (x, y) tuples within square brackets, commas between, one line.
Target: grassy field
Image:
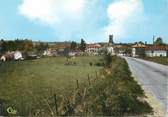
[(113, 93), (160, 60), (24, 85)]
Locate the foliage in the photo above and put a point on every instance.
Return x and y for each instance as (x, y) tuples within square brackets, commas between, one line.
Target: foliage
[(128, 51), (159, 41), (108, 60), (99, 64), (22, 45), (117, 95), (41, 46), (82, 45), (160, 60), (73, 45)]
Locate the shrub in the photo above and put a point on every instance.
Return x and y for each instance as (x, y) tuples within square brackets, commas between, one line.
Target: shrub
[(99, 64), (90, 63)]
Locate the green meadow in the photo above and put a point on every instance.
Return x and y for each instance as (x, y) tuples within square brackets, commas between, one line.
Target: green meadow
[(24, 84)]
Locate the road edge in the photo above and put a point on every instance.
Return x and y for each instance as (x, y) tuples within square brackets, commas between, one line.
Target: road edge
[(158, 111)]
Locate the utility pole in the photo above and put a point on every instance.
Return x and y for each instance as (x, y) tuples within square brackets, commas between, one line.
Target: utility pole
[(153, 39)]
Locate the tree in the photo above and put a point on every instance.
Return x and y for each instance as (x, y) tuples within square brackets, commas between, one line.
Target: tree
[(73, 45), (82, 45), (42, 46), (108, 60), (159, 41), (22, 45), (128, 51), (28, 45)]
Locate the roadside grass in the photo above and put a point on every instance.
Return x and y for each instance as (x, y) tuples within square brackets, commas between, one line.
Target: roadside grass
[(113, 93), (24, 85), (160, 60)]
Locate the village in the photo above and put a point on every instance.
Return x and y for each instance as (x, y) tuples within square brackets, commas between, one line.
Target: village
[(83, 58), (64, 76), (54, 49)]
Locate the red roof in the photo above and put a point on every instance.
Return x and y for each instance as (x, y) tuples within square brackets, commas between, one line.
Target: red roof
[(93, 46), (139, 45), (156, 47)]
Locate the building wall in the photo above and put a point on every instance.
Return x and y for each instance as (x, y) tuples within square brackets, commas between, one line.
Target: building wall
[(90, 50), (110, 50), (149, 53), (156, 53), (134, 52), (160, 53)]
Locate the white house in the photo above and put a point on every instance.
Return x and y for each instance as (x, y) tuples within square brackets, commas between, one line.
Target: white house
[(18, 55), (156, 51), (93, 48), (3, 58), (110, 50), (50, 52), (47, 53)]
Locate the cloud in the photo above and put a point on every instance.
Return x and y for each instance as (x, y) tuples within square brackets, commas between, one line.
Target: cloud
[(74, 19), (51, 11), (123, 13), (70, 19)]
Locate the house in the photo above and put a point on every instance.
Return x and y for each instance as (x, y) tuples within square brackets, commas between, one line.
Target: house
[(14, 55), (156, 51), (50, 52), (111, 50), (17, 55), (57, 49), (7, 56), (93, 49), (141, 50), (76, 52), (123, 49), (3, 58), (138, 49)]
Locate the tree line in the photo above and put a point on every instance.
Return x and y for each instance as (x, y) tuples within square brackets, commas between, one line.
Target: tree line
[(21, 45), (81, 46)]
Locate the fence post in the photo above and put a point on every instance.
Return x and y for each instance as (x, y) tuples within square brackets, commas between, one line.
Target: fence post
[(89, 80), (56, 106), (96, 75), (84, 93), (77, 84)]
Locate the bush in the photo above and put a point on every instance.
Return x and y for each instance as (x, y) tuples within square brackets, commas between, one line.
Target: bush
[(99, 64), (108, 60), (90, 63)]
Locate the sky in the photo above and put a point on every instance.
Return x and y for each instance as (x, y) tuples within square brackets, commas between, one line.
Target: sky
[(92, 20)]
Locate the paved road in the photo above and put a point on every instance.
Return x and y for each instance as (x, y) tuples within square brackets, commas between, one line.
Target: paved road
[(153, 77)]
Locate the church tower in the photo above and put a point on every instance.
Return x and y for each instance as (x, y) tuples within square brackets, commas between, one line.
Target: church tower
[(111, 42)]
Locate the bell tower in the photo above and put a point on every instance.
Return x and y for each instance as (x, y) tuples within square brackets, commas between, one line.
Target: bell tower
[(111, 42)]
